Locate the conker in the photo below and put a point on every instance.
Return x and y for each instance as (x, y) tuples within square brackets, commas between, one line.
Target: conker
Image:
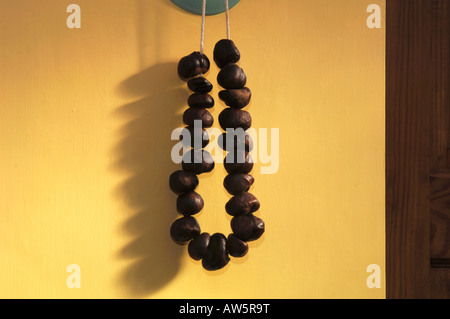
[(236, 247), (201, 100), (238, 162), (247, 227), (225, 52), (237, 183), (184, 229), (194, 135), (189, 203), (242, 204), (236, 98), (197, 161), (198, 113), (236, 140), (182, 182), (200, 85), (197, 247), (192, 65), (216, 256), (235, 118), (232, 77)]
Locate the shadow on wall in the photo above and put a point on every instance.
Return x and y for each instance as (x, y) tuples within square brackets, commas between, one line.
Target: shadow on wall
[(144, 153)]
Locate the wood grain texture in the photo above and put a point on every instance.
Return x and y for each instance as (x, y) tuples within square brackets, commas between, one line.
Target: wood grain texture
[(440, 161), (417, 148), (440, 281), (408, 91), (439, 106), (440, 219)]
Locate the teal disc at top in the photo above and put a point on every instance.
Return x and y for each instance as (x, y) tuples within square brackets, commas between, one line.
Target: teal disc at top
[(212, 6)]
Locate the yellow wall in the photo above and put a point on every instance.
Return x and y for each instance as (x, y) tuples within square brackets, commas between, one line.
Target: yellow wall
[(85, 143)]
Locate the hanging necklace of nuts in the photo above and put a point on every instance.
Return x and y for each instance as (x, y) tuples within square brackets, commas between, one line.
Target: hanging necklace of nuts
[(214, 250)]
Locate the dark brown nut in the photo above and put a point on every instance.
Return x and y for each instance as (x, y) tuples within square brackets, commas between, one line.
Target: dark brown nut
[(216, 256), (192, 65), (237, 183), (183, 182), (201, 100), (236, 247), (198, 113), (232, 77), (238, 162), (189, 203), (200, 85), (197, 161), (184, 229), (194, 137), (242, 204), (226, 52), (197, 247), (247, 227), (235, 140), (236, 98), (235, 118)]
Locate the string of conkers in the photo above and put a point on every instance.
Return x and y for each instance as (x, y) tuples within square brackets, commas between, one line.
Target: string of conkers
[(214, 250)]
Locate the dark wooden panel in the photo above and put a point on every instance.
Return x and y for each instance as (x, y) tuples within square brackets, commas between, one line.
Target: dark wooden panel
[(440, 219), (417, 149), (408, 93), (440, 136), (439, 106), (440, 281)]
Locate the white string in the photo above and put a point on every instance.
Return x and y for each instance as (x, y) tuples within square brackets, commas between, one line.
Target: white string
[(203, 25), (228, 19), (227, 14)]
